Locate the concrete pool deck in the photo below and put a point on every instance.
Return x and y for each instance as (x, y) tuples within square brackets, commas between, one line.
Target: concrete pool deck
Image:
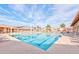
[(63, 46)]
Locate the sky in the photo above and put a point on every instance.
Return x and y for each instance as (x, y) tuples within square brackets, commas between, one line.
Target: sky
[(37, 14)]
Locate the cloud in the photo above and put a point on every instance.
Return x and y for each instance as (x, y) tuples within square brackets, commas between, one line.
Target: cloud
[(4, 10), (17, 7), (63, 14), (10, 21), (41, 14)]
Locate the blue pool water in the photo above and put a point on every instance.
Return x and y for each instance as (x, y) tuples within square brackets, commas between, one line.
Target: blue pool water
[(42, 41)]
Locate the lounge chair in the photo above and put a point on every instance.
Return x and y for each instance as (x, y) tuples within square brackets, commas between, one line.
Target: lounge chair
[(2, 38)]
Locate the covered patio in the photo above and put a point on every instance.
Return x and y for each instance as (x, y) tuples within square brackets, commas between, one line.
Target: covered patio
[(7, 29)]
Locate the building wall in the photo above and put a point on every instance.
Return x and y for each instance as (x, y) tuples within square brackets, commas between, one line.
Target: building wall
[(76, 27), (6, 29)]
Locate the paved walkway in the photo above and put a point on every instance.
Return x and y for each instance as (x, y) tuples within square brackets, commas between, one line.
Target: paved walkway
[(64, 45)]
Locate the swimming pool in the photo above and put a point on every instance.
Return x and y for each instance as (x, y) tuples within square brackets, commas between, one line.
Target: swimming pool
[(42, 41)]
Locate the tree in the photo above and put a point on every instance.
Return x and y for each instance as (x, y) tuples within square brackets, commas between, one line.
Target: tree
[(38, 28), (48, 28), (62, 25)]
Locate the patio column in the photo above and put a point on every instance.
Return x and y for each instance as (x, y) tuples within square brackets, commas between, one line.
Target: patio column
[(10, 30), (16, 30), (4, 29)]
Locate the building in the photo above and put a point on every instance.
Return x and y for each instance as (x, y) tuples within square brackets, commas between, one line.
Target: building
[(7, 29), (18, 29), (75, 23)]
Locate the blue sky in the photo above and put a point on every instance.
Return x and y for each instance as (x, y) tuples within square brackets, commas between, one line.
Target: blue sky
[(37, 14)]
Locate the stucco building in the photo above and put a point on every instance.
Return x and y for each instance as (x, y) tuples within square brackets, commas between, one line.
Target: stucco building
[(7, 29), (75, 23)]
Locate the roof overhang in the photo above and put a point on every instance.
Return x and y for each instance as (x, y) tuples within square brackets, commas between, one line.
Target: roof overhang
[(76, 19)]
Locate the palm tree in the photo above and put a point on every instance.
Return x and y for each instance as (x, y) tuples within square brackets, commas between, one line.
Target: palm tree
[(62, 27)]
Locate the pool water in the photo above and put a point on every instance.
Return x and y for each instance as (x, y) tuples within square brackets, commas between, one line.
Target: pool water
[(42, 41)]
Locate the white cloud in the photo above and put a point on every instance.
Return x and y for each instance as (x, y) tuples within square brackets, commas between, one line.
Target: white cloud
[(11, 21), (63, 13), (17, 7), (64, 7), (4, 10)]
